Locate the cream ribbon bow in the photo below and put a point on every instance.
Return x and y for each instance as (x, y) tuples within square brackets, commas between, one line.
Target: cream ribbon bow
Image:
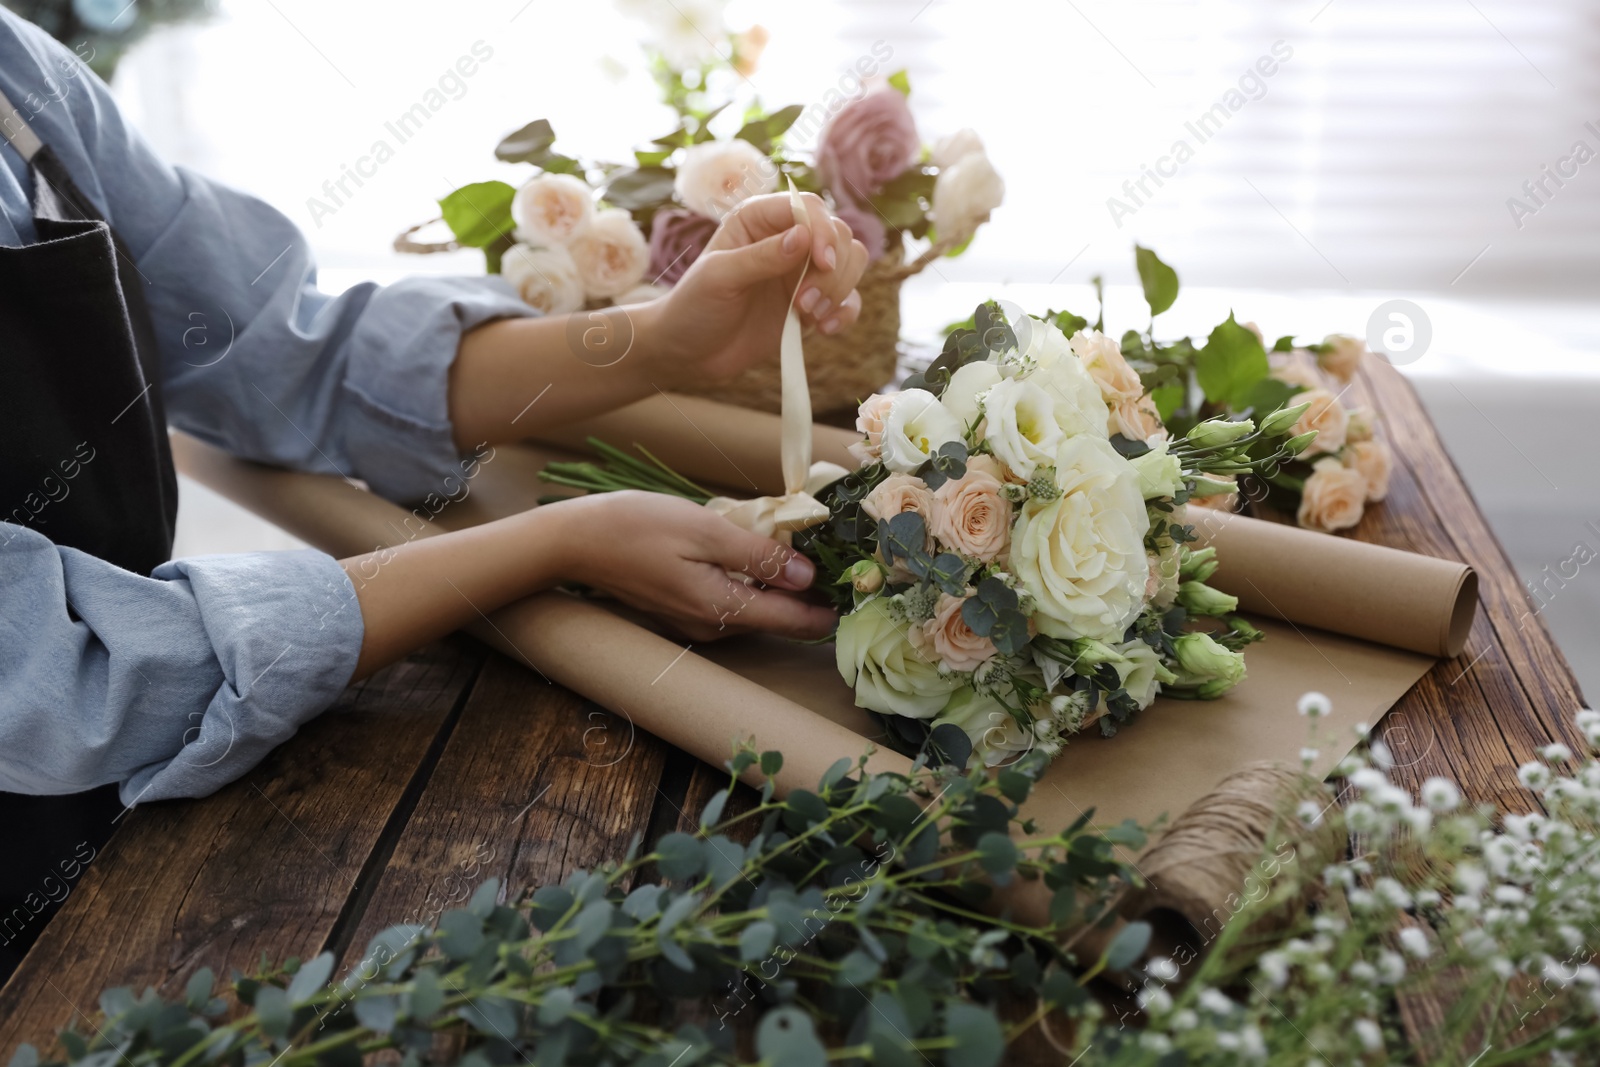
[(780, 516)]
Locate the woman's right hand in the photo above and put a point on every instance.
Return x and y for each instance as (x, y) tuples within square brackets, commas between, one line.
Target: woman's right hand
[(673, 559)]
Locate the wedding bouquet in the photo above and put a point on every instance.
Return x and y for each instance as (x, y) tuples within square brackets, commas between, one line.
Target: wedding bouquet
[(1346, 467), (1011, 555)]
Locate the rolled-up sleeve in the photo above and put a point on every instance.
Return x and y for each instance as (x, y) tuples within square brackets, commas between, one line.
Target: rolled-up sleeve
[(171, 685), (255, 358)]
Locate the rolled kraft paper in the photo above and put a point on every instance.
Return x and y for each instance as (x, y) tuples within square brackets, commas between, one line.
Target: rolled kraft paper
[(1402, 599), (707, 442)]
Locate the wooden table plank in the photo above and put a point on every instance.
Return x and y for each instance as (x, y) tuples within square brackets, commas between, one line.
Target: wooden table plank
[(533, 783), (266, 864)]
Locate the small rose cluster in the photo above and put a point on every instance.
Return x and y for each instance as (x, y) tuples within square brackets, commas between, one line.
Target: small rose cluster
[(1015, 547)]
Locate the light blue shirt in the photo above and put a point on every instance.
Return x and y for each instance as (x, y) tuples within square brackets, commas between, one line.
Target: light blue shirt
[(175, 684)]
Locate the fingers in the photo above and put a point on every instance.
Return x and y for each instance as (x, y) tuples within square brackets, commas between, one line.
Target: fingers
[(824, 295), (825, 238), (770, 562), (771, 611)]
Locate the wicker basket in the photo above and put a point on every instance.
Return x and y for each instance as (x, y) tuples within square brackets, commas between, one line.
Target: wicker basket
[(843, 369)]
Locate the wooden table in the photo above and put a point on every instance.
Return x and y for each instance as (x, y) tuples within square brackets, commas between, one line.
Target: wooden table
[(458, 765)]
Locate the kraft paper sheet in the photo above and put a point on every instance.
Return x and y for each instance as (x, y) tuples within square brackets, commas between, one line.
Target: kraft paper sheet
[(1358, 622)]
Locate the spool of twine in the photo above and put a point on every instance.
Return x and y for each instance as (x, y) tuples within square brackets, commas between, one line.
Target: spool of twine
[(1237, 846)]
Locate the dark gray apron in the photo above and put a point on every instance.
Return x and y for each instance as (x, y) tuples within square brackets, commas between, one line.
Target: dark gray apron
[(84, 460)]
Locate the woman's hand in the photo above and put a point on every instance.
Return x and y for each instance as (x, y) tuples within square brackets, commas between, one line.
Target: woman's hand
[(672, 558), (726, 313)]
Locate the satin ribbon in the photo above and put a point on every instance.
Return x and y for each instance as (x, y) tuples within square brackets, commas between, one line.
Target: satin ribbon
[(779, 517)]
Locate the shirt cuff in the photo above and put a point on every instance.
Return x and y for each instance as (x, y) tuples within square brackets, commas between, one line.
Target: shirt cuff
[(397, 429), (286, 629)]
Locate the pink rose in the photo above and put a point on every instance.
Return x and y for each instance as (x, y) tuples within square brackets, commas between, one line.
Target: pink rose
[(1375, 462), (948, 637), (971, 516), (677, 237), (896, 494), (1333, 497), (867, 144), (1325, 415), (869, 420), (1137, 420), (1102, 357), (866, 224), (1343, 357)]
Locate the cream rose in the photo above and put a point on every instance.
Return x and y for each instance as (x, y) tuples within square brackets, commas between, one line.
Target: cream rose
[(1294, 368), (552, 209), (1161, 584), (963, 396), (1020, 425), (611, 254), (1102, 358), (889, 675), (1375, 462), (1333, 497), (954, 147), (1081, 556), (1137, 420), (896, 494), (948, 639), (1343, 357), (914, 428), (964, 194), (869, 420), (971, 516), (984, 463), (1325, 415), (1358, 424), (545, 278), (717, 176)]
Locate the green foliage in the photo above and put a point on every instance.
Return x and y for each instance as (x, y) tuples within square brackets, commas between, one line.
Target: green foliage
[(1230, 364), (1160, 282), (479, 214), (841, 927)]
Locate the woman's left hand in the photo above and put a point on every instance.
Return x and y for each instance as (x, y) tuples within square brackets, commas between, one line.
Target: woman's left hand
[(726, 313)]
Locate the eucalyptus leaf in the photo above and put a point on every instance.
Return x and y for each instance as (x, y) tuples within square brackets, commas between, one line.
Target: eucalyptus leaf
[(311, 978)]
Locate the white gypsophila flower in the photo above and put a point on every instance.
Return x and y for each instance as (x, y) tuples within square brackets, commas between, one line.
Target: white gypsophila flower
[(1533, 776), (1314, 705), (1391, 967), (1369, 1034), (1251, 1043), (1427, 898), (1162, 968), (1215, 1001), (1391, 892), (1556, 752), (1363, 818), (1155, 1000), (1274, 967), (1381, 757), (1363, 972), (1362, 730), (1362, 901), (545, 278), (717, 176), (1227, 1040), (1183, 1020), (1419, 819), (914, 428), (964, 194), (1509, 894), (1440, 794), (1415, 942), (1308, 756), (1368, 779), (1310, 812)]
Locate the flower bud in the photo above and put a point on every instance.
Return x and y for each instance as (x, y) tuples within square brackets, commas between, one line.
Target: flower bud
[(1296, 445), (1087, 652), (1203, 660), (1197, 563), (1201, 599), (1160, 474), (865, 576), (1283, 420), (1204, 487), (1215, 432)]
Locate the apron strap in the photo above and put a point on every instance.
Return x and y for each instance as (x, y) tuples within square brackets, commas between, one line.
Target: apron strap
[(17, 131)]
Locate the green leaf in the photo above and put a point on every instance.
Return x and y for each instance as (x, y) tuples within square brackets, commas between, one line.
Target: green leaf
[(1015, 786), (528, 145), (901, 81), (310, 979), (979, 1040), (198, 992), (682, 857), (756, 941), (461, 933), (952, 744), (786, 1038), (272, 1011), (771, 763), (676, 912), (1160, 281), (25, 1056), (996, 853), (1265, 397), (378, 1013), (1231, 362), (550, 903), (638, 188), (426, 997), (1127, 946), (1168, 398), (762, 132), (484, 898), (480, 213), (712, 813), (834, 774), (1067, 322)]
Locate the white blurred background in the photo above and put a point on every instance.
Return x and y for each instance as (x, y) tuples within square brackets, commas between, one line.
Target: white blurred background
[(1377, 161)]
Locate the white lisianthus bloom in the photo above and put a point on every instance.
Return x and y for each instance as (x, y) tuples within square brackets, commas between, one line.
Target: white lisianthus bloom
[(1081, 556), (963, 397), (1055, 368), (717, 176), (964, 194), (916, 425), (952, 148), (1020, 425), (888, 673), (1142, 672), (552, 209), (545, 278), (1160, 474), (611, 253)]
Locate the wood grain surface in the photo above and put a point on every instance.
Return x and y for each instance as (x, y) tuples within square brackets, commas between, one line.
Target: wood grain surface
[(457, 765)]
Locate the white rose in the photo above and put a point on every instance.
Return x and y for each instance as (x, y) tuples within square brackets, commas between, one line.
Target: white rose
[(545, 278), (963, 395), (917, 424), (888, 673), (552, 209), (954, 147), (716, 176), (611, 253), (1142, 672), (996, 738), (1160, 474), (964, 194), (1082, 555), (1055, 368), (1020, 425)]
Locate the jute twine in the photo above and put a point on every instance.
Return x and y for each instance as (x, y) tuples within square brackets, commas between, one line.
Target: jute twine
[(1235, 847)]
